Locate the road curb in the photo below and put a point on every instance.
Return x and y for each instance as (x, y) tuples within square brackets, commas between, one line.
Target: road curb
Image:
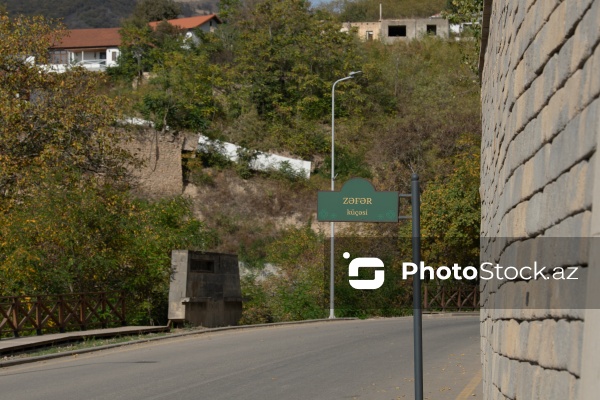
[(455, 314), (25, 360)]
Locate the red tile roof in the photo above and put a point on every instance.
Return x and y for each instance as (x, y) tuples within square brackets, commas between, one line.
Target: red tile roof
[(190, 22), (110, 37), (90, 38)]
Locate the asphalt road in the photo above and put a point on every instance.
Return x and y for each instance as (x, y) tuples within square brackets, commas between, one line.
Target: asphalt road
[(371, 359)]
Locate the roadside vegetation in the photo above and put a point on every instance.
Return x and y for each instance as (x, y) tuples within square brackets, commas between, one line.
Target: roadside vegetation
[(262, 81)]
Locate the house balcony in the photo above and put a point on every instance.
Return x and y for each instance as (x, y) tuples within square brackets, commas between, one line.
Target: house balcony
[(90, 65)]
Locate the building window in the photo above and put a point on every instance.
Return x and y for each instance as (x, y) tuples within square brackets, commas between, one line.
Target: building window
[(432, 30), (202, 265), (59, 57), (103, 55), (113, 56), (369, 35), (397, 30)]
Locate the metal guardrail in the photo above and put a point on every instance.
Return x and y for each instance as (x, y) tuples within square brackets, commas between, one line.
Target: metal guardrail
[(59, 313), (451, 297)]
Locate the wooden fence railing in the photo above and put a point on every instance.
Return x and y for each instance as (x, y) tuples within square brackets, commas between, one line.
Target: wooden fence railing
[(450, 297), (59, 313)]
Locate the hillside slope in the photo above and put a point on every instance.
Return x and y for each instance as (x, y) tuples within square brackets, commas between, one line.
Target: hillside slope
[(78, 14)]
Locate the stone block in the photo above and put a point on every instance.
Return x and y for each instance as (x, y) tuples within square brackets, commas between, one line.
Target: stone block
[(496, 372), (515, 222), (497, 395), (565, 196), (575, 226), (547, 356), (519, 80), (576, 90), (538, 384), (534, 218), (533, 340), (564, 341), (552, 80), (509, 378), (588, 88), (554, 116), (502, 372), (575, 348), (574, 389), (510, 339), (523, 110), (524, 380), (549, 32), (553, 34), (555, 385), (574, 143), (497, 338), (519, 12), (587, 32), (563, 67), (522, 341)]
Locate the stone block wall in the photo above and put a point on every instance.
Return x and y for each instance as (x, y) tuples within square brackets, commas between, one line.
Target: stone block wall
[(161, 174), (541, 123)]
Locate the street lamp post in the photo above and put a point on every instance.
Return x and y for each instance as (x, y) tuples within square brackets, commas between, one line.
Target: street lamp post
[(331, 275)]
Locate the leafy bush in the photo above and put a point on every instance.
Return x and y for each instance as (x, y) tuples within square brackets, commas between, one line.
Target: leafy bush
[(212, 155), (295, 292), (347, 165), (286, 172), (89, 237), (246, 157)]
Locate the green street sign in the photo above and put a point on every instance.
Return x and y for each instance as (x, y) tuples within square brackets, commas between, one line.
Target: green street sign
[(358, 201)]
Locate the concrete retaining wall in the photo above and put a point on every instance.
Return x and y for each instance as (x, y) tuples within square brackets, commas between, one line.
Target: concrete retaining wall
[(262, 161)]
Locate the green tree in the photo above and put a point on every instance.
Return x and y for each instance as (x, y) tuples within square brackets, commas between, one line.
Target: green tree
[(180, 95), (286, 58), (67, 222), (433, 100), (295, 292), (142, 47), (156, 10), (451, 211), (280, 59), (468, 13), (50, 120), (74, 236)]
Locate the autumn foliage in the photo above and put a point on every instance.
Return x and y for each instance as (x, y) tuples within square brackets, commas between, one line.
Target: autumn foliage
[(67, 220)]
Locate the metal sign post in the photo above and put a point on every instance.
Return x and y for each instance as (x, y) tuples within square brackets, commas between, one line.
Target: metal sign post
[(415, 199), (417, 316), (358, 201)]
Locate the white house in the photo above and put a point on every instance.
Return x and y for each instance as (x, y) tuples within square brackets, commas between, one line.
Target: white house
[(97, 49), (206, 23), (94, 49)]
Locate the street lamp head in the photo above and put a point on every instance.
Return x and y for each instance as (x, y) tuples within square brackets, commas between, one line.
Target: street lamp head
[(352, 74)]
